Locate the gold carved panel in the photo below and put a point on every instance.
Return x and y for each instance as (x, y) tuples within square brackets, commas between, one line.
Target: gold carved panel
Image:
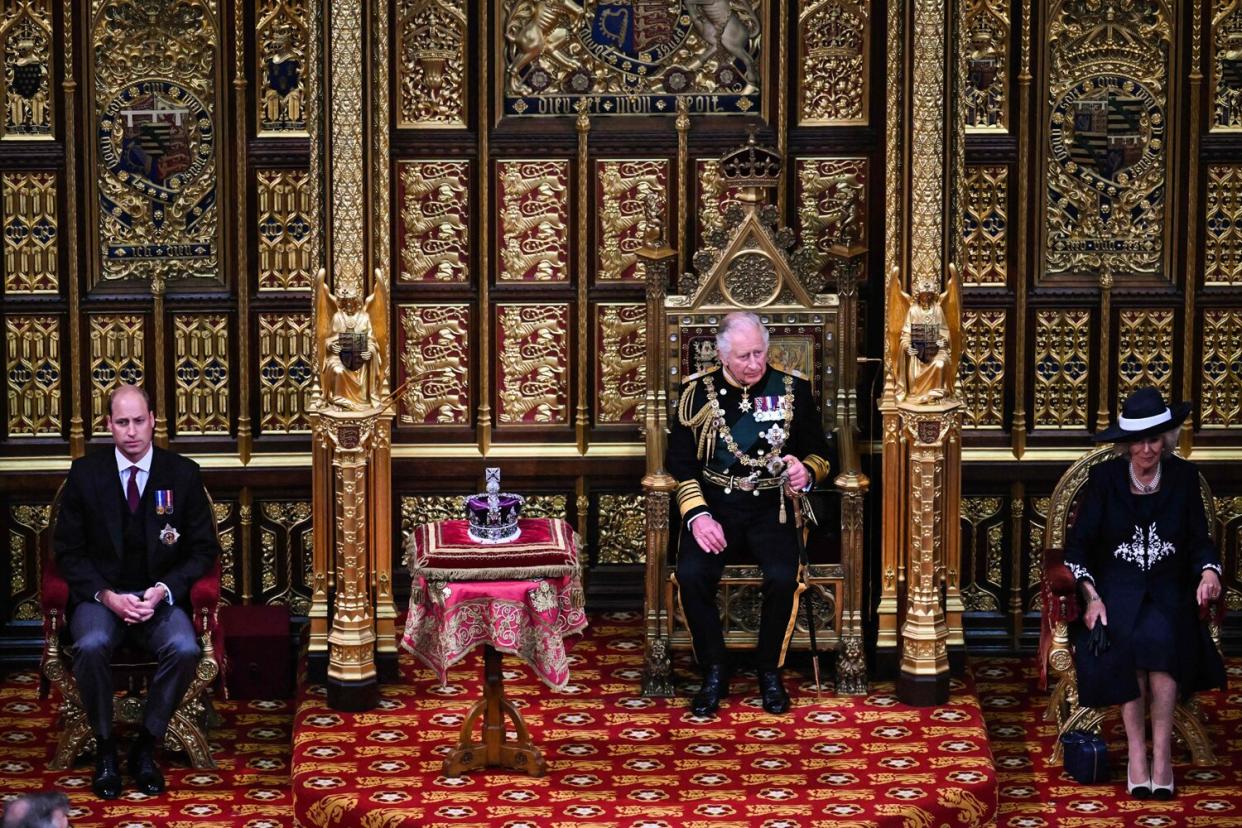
[(982, 536), (282, 32), (226, 525), (286, 215), (201, 372), (1036, 524), (30, 233), (434, 344), (1062, 368), (32, 368), (434, 232), (1223, 222), (285, 565), (620, 367), (431, 63), (621, 189), (833, 61), (532, 364), (1145, 352), (154, 94), (118, 356), (622, 529), (28, 523), (534, 221), (286, 342), (985, 226), (831, 195), (714, 195), (26, 38), (1107, 156), (1226, 69), (986, 87), (1221, 395), (637, 57), (981, 371)]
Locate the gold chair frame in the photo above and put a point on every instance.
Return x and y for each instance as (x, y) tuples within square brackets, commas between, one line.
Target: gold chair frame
[(1063, 707), (190, 721), (745, 266)]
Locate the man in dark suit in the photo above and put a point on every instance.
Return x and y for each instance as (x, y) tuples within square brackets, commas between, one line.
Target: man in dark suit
[(743, 433), (134, 531)]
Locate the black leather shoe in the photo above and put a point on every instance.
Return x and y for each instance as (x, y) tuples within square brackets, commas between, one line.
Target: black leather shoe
[(715, 688), (146, 773), (106, 783), (775, 699)]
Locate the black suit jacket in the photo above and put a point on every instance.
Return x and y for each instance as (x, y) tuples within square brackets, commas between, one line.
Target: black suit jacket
[(87, 539)]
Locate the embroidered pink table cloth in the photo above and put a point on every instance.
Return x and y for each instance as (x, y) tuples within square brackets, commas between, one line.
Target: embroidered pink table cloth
[(532, 617)]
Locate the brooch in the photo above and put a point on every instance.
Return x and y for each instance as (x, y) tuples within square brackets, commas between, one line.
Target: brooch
[(169, 535)]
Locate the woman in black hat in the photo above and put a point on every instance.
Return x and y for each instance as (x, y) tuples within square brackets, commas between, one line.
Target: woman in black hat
[(1143, 557)]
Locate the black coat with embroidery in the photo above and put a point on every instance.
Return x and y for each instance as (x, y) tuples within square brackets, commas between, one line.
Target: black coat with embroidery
[(1143, 555), (806, 439)]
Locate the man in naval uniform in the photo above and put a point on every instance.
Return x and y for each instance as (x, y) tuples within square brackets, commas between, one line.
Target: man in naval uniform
[(742, 432), (134, 531)]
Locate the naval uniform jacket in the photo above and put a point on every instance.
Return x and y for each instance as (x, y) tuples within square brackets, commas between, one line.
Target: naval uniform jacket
[(1144, 553), (88, 541), (805, 440)]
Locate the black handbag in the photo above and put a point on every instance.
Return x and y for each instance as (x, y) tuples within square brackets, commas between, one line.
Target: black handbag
[(1086, 756), (1097, 640)]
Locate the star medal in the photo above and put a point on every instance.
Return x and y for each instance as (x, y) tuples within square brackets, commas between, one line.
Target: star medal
[(775, 436), (169, 535), (744, 405)]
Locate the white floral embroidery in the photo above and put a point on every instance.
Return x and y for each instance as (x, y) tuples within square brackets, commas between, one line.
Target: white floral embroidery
[(1145, 549), (1214, 567), (1080, 572)]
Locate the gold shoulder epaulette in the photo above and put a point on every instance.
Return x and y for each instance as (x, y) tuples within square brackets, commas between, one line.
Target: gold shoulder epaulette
[(703, 373)]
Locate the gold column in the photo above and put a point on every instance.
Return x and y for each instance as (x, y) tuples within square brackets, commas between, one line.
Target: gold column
[(1021, 237), (77, 433), (924, 677), (656, 258), (484, 172), (1017, 501), (582, 418), (1190, 278), (1103, 415), (379, 499), (161, 373), (352, 680), (321, 547), (240, 137), (682, 124), (951, 551), (245, 519)]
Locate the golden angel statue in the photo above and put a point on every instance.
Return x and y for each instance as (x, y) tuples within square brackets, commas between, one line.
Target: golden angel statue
[(924, 338), (352, 342)]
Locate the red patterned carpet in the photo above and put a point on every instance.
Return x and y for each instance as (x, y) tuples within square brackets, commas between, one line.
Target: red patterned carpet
[(1034, 793), (619, 759)]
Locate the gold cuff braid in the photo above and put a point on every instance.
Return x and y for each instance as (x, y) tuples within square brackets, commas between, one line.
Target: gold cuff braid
[(690, 496), (819, 467)]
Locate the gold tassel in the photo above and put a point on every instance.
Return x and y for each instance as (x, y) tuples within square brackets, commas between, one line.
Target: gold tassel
[(782, 505)]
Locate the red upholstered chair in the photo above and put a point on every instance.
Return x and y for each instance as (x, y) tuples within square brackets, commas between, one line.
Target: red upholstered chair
[(131, 669), (1062, 607)]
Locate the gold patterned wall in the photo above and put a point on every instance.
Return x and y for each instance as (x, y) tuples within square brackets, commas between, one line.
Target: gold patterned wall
[(27, 41), (532, 364), (434, 343), (833, 77), (283, 39), (1106, 159), (433, 227), (1063, 360), (284, 230), (1145, 352), (981, 372), (985, 226), (621, 190), (117, 356), (33, 370), (534, 217), (621, 346), (286, 342), (155, 185), (31, 224), (986, 90), (1223, 222), (201, 368), (1221, 392), (431, 63)]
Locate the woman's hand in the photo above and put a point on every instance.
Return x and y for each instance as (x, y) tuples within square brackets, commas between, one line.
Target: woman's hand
[(1209, 587), (1095, 611)]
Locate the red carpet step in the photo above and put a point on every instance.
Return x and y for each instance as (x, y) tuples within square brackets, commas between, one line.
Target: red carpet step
[(618, 759)]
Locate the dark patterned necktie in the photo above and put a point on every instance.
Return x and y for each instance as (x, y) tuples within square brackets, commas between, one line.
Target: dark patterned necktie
[(131, 491)]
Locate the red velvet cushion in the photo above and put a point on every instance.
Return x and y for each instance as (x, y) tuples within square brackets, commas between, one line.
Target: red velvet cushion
[(544, 549)]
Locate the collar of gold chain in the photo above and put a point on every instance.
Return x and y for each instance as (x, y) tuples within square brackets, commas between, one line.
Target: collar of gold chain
[(721, 428)]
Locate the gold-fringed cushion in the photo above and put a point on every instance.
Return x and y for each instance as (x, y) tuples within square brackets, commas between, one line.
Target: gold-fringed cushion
[(544, 548)]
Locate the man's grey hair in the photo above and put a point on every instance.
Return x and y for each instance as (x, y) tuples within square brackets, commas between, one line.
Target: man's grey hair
[(35, 810), (733, 321)]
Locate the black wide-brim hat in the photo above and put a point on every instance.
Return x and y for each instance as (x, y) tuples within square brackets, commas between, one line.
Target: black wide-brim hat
[(1143, 414)]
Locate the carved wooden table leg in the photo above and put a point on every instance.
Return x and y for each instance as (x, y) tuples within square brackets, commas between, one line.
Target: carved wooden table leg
[(494, 751)]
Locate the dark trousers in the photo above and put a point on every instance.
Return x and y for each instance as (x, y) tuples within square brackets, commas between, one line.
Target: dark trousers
[(169, 635), (751, 526)]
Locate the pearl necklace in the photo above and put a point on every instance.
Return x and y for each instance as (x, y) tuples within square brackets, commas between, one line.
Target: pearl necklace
[(1145, 488)]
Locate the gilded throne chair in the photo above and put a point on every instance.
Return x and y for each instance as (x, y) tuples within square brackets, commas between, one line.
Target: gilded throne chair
[(747, 264), (1061, 608), (131, 668)]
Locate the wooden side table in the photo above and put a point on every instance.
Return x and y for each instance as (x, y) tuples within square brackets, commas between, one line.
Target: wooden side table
[(496, 750)]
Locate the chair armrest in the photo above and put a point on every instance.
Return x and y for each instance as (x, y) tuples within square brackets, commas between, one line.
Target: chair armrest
[(53, 591), (1057, 576), (205, 593)]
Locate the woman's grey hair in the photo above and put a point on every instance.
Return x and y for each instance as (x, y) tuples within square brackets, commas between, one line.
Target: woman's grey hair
[(1170, 437), (733, 321)]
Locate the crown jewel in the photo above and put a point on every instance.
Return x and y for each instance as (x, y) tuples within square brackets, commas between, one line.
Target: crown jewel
[(493, 514)]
